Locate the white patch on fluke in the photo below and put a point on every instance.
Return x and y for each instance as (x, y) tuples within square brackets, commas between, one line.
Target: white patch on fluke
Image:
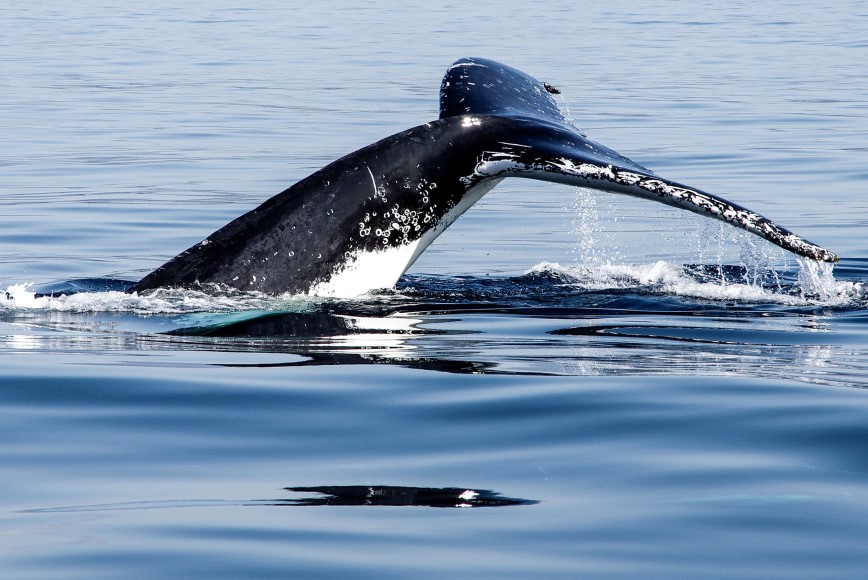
[(366, 271)]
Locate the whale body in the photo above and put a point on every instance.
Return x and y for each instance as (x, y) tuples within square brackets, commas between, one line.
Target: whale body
[(359, 223)]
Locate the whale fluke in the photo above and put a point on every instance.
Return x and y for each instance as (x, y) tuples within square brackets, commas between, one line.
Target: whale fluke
[(360, 222)]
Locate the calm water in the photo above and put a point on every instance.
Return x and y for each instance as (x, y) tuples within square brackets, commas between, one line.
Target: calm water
[(566, 384)]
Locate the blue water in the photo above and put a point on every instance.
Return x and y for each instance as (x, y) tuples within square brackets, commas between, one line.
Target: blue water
[(567, 383)]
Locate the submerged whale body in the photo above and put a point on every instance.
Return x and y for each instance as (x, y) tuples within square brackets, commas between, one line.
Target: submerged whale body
[(360, 222)]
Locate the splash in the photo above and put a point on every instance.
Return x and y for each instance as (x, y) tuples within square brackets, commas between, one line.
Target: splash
[(588, 210), (664, 278), (814, 283), (817, 283), (707, 248)]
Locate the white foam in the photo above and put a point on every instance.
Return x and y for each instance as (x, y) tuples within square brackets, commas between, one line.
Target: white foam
[(815, 286), (21, 297)]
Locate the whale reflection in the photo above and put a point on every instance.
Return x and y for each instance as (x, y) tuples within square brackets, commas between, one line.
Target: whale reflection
[(391, 495)]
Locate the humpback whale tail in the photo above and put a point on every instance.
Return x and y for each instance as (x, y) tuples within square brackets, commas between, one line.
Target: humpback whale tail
[(360, 222)]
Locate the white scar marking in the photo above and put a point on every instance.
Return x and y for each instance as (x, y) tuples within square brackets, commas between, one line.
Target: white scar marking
[(374, 181)]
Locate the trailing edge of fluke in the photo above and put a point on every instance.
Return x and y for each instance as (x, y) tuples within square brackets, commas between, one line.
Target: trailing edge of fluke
[(360, 222)]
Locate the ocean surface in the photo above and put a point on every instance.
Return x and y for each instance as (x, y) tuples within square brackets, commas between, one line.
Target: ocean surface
[(567, 383)]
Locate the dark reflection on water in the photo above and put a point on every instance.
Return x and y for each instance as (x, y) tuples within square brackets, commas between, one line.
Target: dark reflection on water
[(277, 325), (565, 341), (390, 495)]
